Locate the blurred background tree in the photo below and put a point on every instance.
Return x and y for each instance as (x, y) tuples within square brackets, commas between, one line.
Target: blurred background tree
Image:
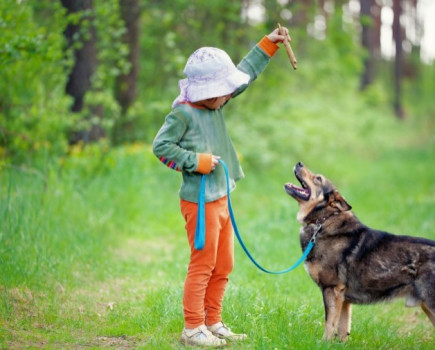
[(126, 82), (367, 21), (79, 71), (80, 35)]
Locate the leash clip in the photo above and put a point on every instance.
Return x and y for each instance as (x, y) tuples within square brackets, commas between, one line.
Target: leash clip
[(316, 232)]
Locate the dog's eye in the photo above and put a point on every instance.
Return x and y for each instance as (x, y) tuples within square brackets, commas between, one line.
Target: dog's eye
[(319, 179)]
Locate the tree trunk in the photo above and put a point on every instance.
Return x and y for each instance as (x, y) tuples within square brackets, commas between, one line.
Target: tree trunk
[(85, 65), (398, 63), (126, 84), (366, 21), (376, 14), (300, 11)]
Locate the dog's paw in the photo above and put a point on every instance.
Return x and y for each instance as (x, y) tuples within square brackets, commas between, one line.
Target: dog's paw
[(328, 336), (343, 337)]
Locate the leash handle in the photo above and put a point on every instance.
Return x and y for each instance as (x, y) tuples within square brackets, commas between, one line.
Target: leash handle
[(200, 228), (199, 240)]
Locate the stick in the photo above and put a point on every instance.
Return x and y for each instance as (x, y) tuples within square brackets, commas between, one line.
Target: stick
[(288, 48)]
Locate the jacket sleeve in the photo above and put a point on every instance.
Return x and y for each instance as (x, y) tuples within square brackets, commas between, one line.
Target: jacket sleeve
[(166, 146), (256, 61)]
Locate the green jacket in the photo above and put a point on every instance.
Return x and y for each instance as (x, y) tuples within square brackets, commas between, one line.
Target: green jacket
[(189, 133)]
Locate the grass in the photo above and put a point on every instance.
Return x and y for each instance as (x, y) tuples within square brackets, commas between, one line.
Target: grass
[(93, 251)]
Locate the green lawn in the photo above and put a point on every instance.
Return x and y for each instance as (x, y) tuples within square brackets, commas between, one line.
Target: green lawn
[(93, 251)]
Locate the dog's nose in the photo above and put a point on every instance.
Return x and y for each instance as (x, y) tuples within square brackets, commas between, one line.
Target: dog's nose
[(299, 165)]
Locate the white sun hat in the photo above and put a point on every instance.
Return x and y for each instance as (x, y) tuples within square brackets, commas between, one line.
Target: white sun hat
[(210, 73)]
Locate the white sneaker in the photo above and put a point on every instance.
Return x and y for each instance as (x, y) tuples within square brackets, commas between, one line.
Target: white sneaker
[(200, 336), (221, 331)]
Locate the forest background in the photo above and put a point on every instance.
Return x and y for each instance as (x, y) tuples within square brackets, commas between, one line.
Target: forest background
[(90, 230)]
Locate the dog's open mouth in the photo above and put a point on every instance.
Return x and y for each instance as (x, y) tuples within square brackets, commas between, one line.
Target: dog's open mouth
[(303, 192)]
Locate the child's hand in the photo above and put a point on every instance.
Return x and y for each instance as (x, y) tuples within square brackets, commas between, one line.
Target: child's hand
[(276, 37), (214, 162)]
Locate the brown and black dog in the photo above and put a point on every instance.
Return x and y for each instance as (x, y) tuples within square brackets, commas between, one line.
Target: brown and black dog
[(354, 264)]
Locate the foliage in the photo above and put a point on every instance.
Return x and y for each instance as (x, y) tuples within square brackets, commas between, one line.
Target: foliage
[(34, 113), (34, 108), (112, 60)]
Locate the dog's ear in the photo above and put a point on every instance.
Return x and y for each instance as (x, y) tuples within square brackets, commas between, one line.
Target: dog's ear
[(338, 201)]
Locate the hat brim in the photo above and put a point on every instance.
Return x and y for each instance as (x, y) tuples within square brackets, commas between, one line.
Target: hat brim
[(198, 91)]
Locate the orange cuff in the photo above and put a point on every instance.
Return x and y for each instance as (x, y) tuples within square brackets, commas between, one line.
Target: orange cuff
[(268, 46), (204, 163)]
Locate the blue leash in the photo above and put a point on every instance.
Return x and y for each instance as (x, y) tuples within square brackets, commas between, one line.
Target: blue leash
[(200, 228)]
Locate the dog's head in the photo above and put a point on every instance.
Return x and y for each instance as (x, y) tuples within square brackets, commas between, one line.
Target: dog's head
[(317, 198)]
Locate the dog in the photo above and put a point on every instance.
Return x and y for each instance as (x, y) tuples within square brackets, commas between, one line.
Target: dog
[(354, 264)]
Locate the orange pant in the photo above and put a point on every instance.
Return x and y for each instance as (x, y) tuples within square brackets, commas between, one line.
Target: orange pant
[(208, 271)]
